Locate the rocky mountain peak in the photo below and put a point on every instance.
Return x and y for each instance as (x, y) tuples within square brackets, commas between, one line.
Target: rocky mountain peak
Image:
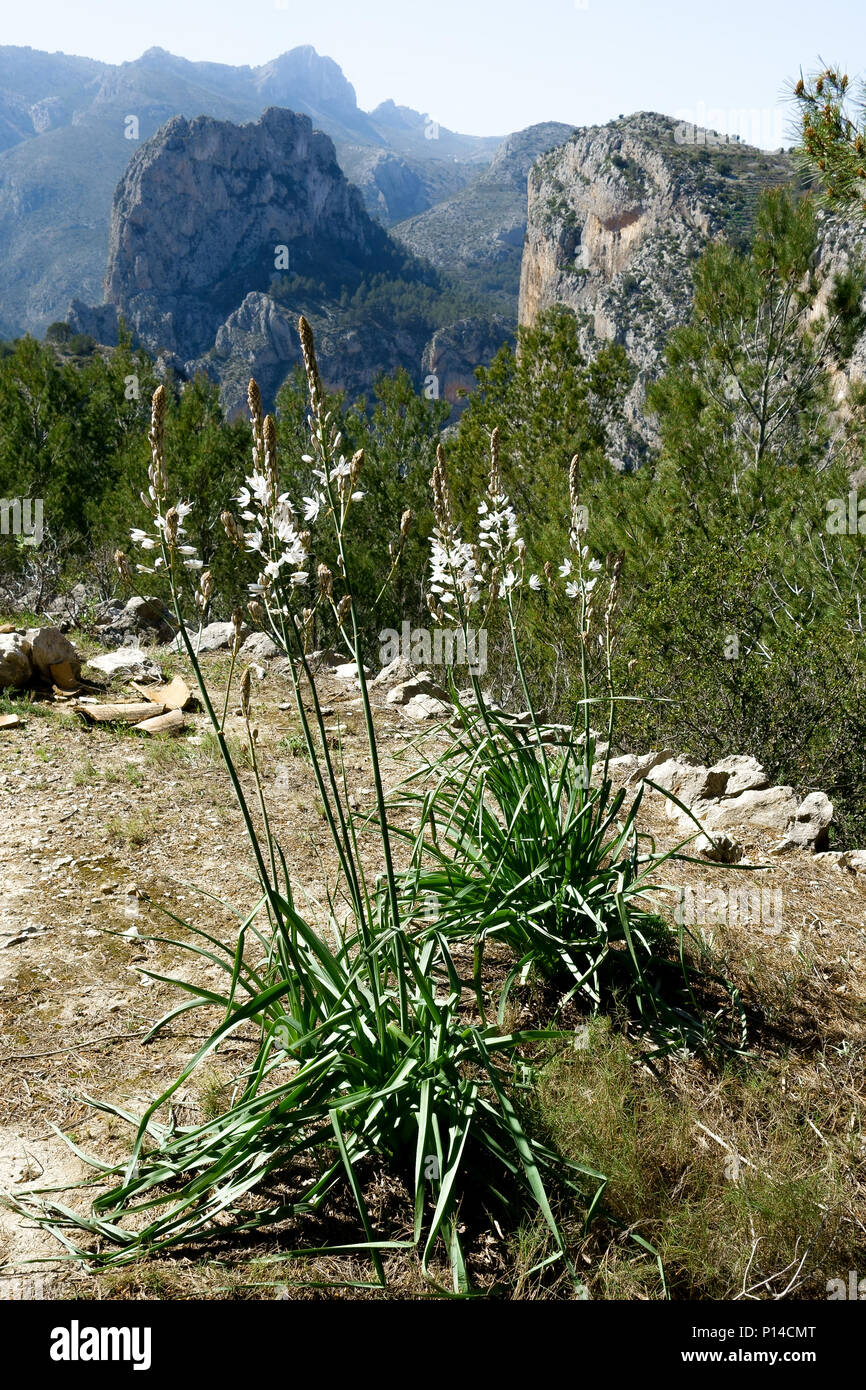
[(209, 211), (304, 73)]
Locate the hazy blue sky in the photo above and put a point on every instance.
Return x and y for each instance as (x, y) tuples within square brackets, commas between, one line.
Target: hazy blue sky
[(490, 66)]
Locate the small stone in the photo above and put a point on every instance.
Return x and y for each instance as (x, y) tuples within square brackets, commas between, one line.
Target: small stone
[(427, 707), (422, 684), (744, 774), (720, 849), (348, 671), (401, 669), (259, 647), (809, 827), (16, 666), (131, 662)]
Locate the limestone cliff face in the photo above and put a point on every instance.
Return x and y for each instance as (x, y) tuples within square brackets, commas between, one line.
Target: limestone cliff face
[(616, 219), (202, 212)]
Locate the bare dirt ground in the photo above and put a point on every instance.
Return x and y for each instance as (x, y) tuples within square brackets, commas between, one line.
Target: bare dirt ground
[(101, 828)]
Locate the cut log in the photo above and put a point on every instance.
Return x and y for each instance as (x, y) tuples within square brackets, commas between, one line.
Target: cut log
[(118, 714), (169, 723)]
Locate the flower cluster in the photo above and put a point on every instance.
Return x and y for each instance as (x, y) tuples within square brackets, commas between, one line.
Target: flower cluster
[(460, 572), (456, 578), (169, 531), (497, 529), (272, 534), (269, 524), (325, 441), (574, 572)]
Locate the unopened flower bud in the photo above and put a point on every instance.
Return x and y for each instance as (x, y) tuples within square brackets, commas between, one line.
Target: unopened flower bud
[(232, 529), (121, 564), (246, 689)]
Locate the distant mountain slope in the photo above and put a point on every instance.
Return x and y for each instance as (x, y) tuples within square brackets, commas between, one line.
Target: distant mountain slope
[(69, 126), (478, 232)]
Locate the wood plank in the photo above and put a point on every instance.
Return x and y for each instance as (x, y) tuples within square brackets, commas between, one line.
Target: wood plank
[(118, 714), (169, 723)]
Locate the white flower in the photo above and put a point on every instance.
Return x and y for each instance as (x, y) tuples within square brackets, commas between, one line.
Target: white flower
[(358, 496), (193, 564), (453, 570), (535, 583), (572, 589), (260, 486), (254, 540), (497, 529), (594, 566), (312, 506), (565, 569)]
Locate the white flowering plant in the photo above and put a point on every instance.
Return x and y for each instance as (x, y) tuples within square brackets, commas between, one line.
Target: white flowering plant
[(372, 1054), (521, 837)]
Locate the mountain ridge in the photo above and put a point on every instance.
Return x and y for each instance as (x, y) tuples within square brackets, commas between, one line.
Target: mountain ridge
[(69, 126)]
